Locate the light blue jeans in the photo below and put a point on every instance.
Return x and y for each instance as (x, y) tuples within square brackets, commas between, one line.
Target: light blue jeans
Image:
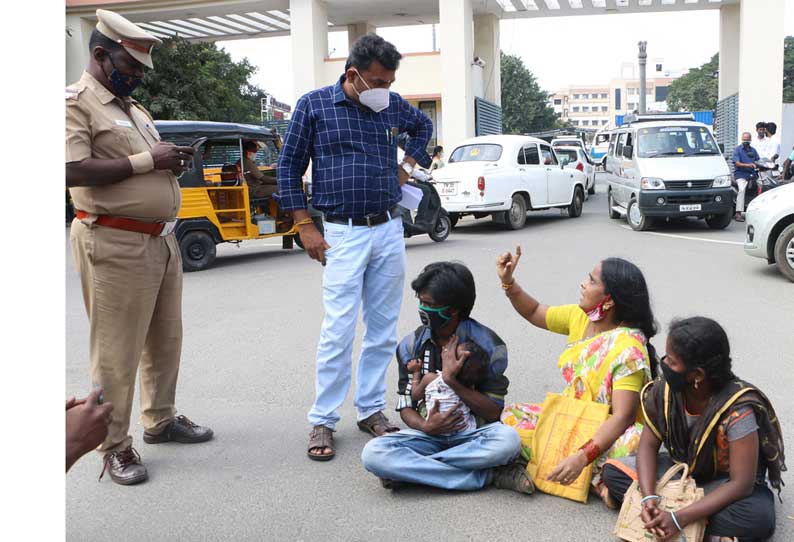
[(462, 461), (364, 266)]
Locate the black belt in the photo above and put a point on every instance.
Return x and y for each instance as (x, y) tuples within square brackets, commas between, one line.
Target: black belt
[(369, 220)]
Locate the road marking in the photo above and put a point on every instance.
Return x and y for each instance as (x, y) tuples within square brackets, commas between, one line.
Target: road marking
[(688, 237)]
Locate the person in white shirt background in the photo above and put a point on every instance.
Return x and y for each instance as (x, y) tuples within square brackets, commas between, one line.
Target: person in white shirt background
[(773, 140)]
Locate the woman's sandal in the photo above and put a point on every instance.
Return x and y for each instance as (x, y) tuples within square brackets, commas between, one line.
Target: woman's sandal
[(320, 438)]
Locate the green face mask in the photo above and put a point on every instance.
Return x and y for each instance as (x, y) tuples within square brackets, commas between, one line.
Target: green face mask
[(434, 318)]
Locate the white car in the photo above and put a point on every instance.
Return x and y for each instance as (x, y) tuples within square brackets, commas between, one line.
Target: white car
[(568, 141), (504, 176), (770, 228), (577, 159)]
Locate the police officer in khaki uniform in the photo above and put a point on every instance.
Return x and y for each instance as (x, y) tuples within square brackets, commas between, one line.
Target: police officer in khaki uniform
[(123, 183)]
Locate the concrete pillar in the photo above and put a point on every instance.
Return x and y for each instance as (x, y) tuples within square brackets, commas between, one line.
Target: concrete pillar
[(309, 39), (729, 51), (760, 62), (486, 46), (355, 31), (457, 53), (77, 54)]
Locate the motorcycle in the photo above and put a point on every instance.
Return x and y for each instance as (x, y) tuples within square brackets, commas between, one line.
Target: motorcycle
[(430, 218)]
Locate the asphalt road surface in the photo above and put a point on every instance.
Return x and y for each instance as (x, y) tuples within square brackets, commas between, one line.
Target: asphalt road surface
[(251, 325)]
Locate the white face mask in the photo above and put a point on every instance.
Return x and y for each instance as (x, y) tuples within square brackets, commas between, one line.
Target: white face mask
[(250, 155), (376, 99)]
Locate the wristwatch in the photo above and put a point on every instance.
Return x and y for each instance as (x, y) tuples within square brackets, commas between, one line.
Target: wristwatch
[(408, 168)]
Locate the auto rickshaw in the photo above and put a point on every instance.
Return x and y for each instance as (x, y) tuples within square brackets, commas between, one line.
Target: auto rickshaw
[(218, 205)]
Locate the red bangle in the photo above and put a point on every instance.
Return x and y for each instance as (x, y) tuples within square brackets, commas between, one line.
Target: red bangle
[(591, 450)]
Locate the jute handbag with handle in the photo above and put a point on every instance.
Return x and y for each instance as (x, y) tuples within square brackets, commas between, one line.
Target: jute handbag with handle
[(675, 494), (565, 423)]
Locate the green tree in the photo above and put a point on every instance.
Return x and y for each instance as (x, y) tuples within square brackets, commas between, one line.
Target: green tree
[(524, 105), (697, 90), (788, 69), (198, 81)]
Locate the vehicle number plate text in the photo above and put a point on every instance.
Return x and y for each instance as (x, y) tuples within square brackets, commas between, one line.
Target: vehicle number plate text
[(448, 189), (692, 207)]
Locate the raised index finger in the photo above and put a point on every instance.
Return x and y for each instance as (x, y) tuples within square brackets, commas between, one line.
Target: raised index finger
[(518, 252)]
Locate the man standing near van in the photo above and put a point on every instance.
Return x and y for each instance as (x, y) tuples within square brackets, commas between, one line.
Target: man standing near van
[(123, 182), (746, 170), (349, 131)]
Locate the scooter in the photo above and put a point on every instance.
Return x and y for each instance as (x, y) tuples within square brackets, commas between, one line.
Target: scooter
[(768, 175), (439, 218)]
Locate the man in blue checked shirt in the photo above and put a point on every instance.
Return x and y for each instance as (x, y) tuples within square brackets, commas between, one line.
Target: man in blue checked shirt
[(349, 132)]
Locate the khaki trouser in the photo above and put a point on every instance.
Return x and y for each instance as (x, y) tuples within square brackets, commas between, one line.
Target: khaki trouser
[(132, 289)]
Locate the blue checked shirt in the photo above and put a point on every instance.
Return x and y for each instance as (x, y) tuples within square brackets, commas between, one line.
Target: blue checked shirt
[(353, 153)]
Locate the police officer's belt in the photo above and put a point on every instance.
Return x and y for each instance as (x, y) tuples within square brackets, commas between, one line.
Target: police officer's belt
[(368, 220), (155, 229)]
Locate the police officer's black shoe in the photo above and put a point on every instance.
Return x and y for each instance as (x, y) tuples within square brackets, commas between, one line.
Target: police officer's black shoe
[(125, 467), (180, 430)]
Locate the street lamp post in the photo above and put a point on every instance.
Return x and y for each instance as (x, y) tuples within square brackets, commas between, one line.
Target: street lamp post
[(643, 56)]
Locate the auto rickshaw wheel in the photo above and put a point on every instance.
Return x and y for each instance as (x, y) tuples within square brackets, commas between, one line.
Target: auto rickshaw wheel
[(198, 250), (318, 223)]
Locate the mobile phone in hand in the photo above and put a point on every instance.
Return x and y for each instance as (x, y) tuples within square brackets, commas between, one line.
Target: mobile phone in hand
[(101, 398)]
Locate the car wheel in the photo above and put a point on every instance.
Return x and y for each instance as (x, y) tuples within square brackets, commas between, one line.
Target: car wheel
[(784, 252), (719, 222), (516, 217), (575, 208), (635, 218), (610, 204), (442, 228), (197, 249), (453, 219)]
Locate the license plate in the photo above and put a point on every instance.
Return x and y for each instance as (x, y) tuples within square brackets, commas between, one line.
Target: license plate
[(449, 189), (692, 207)]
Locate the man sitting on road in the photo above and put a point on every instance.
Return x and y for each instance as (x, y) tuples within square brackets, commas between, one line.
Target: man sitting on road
[(436, 450), (743, 159)]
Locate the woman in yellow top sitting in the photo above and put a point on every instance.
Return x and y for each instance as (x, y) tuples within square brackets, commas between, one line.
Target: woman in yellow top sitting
[(607, 351)]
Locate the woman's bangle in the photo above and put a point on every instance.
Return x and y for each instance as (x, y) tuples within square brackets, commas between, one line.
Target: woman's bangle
[(649, 497), (506, 286), (591, 450), (675, 520), (304, 222)]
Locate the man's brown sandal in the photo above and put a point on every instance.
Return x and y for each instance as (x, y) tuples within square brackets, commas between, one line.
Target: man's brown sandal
[(377, 425), (320, 438)]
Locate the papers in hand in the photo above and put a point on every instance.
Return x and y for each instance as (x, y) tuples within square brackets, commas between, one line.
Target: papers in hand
[(411, 197)]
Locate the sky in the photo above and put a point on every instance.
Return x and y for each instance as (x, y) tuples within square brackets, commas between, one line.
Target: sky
[(560, 51)]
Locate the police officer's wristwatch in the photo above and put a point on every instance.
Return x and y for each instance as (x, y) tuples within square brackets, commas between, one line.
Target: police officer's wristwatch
[(406, 167)]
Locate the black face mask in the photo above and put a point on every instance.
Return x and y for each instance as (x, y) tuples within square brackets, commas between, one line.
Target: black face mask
[(434, 318), (676, 381), (746, 144), (123, 85)]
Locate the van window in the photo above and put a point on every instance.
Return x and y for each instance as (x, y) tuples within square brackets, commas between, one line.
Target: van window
[(620, 143), (531, 155), (601, 139), (675, 141), (520, 158), (548, 156), (478, 152)]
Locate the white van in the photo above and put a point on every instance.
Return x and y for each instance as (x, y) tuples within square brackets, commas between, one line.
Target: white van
[(504, 176), (667, 165), (599, 147)]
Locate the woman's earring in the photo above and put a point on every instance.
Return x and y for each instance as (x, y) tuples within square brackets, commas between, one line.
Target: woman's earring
[(697, 383)]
